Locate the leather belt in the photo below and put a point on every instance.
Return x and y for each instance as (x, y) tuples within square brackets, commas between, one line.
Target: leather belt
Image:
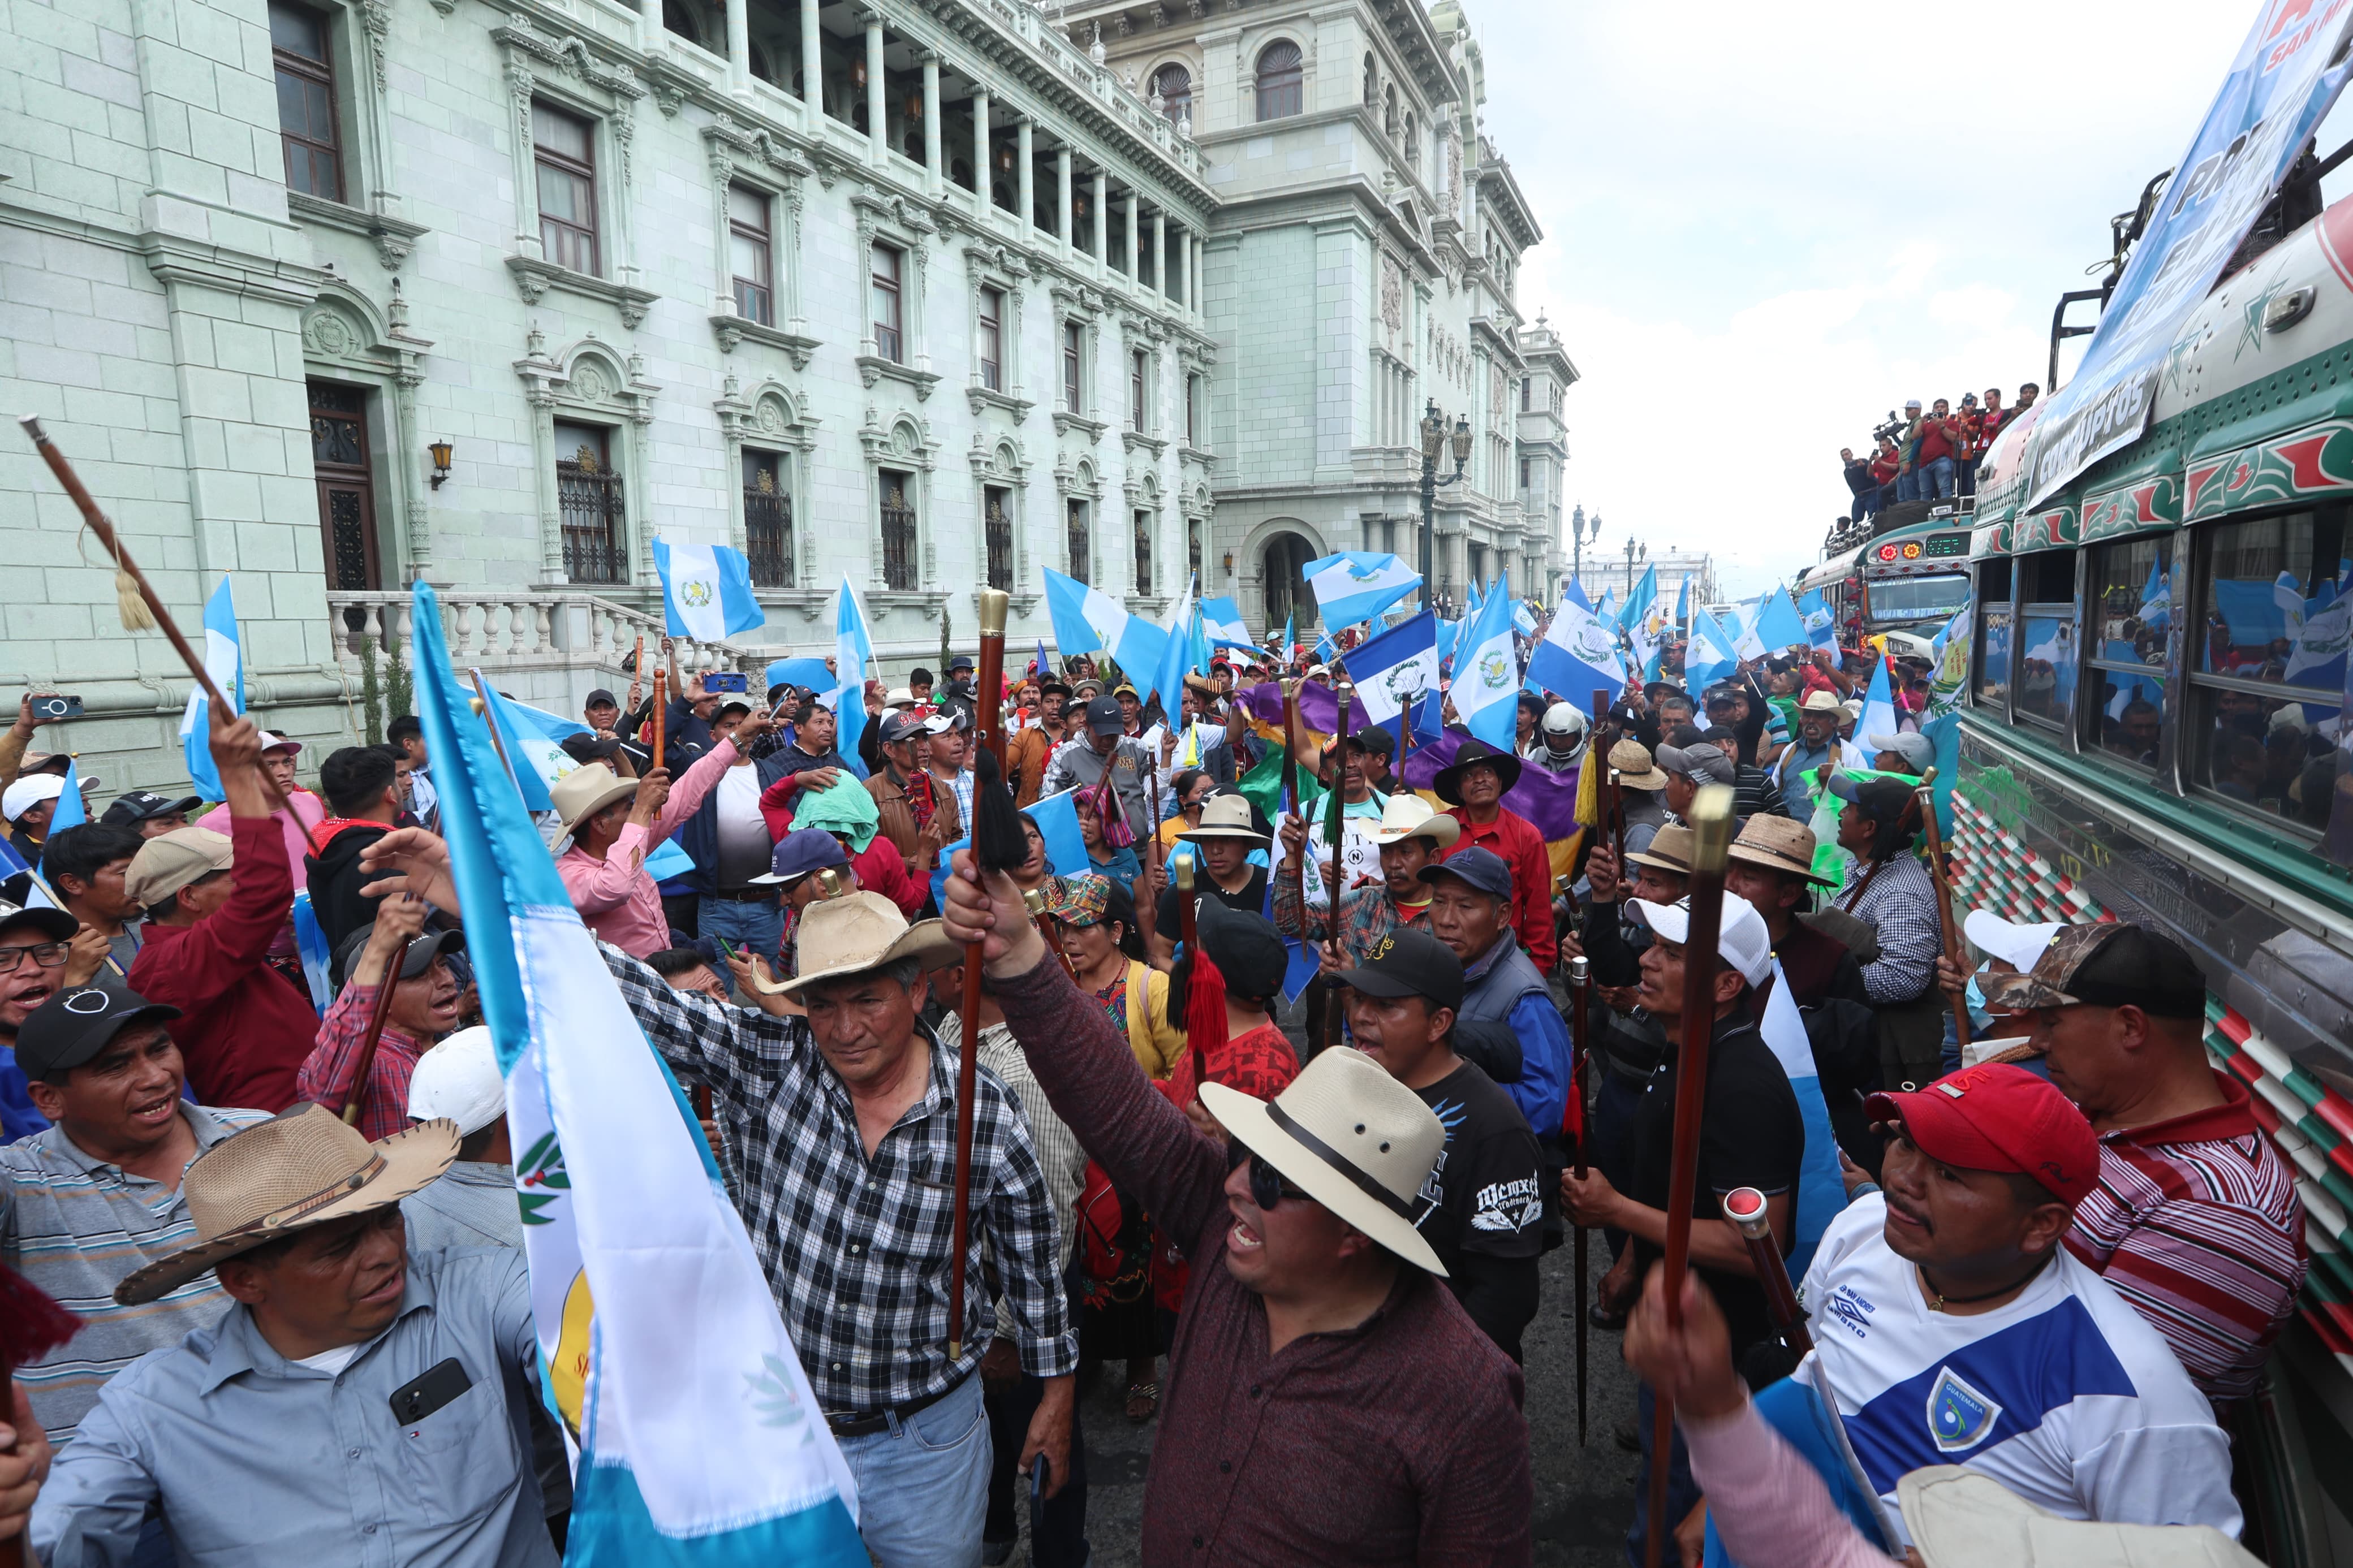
[(853, 1426), (747, 895)]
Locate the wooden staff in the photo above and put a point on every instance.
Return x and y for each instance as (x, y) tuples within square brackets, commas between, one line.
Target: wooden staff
[(374, 1036), (1580, 982), (989, 726), (1187, 919), (1613, 802), (1925, 800), (142, 595), (1291, 767), (1711, 825), (1334, 822), (661, 713), (1744, 1208)]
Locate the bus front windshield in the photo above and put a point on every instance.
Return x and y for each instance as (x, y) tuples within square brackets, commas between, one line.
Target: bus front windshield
[(1900, 599)]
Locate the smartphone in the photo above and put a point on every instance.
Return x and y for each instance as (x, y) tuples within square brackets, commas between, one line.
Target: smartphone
[(725, 680), (56, 707), (412, 1402), (727, 947)]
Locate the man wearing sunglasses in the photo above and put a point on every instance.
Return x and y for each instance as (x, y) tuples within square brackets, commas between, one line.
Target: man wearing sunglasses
[(38, 958), (1328, 1401)]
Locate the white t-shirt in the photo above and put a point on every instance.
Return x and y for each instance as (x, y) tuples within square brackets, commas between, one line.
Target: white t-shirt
[(331, 1362), (745, 846), (2065, 1395)]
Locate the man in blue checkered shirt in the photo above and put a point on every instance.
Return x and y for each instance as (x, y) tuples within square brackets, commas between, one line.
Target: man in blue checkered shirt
[(842, 1130)]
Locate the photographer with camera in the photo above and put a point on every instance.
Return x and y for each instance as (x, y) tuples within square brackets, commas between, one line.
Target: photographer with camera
[(1864, 488)]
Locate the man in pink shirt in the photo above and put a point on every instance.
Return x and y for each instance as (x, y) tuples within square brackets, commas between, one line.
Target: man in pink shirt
[(617, 823)]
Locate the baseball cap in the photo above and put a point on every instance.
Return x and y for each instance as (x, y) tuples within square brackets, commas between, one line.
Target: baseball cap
[(1374, 739), (800, 852), (2105, 965), (1705, 762), (55, 924), (1481, 868), (170, 861), (1999, 1117), (415, 958), (1741, 940), (2016, 943), (1410, 962), (586, 749), (74, 1025), (271, 743), (141, 806), (29, 791), (459, 1078), (898, 725), (1916, 749), (1882, 799), (600, 698), (1104, 717), (1245, 946)]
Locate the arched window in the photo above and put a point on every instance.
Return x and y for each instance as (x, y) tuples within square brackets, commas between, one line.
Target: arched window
[(1174, 83), (679, 17), (1372, 84), (1413, 143), (1389, 113), (1280, 87)]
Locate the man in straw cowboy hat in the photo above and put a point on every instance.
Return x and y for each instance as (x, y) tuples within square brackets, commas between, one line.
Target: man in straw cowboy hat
[(1772, 866), (1412, 834), (1817, 746), (1227, 833), (1330, 1401), (358, 1402), (841, 1129)]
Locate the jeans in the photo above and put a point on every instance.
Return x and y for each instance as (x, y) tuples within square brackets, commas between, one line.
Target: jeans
[(922, 1486), (1682, 1493), (1058, 1527), (1935, 478), (1965, 476), (1907, 485), (759, 929)]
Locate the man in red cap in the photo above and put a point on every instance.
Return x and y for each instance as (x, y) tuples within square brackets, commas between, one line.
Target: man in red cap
[(1953, 1327)]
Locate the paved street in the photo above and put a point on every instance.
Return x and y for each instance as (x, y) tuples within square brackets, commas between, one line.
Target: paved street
[(1584, 1499)]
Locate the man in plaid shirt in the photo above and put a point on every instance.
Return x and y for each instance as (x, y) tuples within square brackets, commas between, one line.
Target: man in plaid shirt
[(425, 1001), (1412, 834), (843, 1128)]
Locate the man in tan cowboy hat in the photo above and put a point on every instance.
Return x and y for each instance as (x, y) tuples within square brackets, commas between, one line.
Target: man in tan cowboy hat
[(842, 1130), (1772, 866), (1642, 796), (1224, 841), (1412, 834), (615, 823), (1817, 745), (1329, 1401), (357, 1403)]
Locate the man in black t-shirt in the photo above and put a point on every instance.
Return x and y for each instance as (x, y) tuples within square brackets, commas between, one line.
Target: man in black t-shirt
[(1482, 1206), (1751, 1135), (1224, 842)]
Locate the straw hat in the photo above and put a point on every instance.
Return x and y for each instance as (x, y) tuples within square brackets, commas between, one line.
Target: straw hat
[(1351, 1137), (1410, 816), (1226, 816), (1958, 1516), (584, 792), (1819, 701), (1670, 850), (858, 932), (1635, 768), (277, 1177), (1778, 844)]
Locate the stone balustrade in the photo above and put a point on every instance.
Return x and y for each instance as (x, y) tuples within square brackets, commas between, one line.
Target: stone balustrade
[(515, 632)]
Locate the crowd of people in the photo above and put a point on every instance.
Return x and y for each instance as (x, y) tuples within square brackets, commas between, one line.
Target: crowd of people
[(1928, 454), (280, 1195)]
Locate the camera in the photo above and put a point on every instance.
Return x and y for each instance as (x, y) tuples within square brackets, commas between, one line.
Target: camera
[(725, 680), (1894, 427), (56, 707)]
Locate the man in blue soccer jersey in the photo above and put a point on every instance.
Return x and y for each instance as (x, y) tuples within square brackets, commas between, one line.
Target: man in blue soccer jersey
[(1954, 1328)]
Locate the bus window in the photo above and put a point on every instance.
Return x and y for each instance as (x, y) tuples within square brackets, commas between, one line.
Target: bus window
[(2269, 685), (2047, 649), (2131, 606), (1993, 632)]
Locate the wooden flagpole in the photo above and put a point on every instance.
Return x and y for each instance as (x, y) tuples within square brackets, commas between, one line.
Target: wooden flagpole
[(990, 732)]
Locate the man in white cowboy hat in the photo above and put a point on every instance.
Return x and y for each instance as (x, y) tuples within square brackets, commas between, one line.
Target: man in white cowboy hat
[(1330, 1401), (1411, 834), (264, 1437), (841, 1131), (1224, 840), (1817, 745), (615, 823)]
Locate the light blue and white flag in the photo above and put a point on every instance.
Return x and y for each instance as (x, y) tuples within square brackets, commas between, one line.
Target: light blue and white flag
[(1638, 602), (1289, 635), (1606, 610), (853, 648), (807, 672), (225, 662), (69, 811), (1390, 670), (534, 738), (1741, 622), (1087, 620), (1358, 585), (1523, 620), (1822, 627), (698, 1441), (1057, 817), (1821, 1195), (1710, 657), (1682, 606), (1878, 717), (1579, 654), (1181, 643), (706, 591), (1222, 619), (1779, 626), (1486, 687), (311, 945)]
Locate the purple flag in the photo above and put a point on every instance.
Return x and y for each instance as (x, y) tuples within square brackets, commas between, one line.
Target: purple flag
[(1545, 799)]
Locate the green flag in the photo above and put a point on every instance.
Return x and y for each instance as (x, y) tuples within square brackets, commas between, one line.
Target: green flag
[(1265, 783)]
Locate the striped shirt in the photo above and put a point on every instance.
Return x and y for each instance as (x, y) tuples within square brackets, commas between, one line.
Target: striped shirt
[(75, 1225), (2196, 1222)]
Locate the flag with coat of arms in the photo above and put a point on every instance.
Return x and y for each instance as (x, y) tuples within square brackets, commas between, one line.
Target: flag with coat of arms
[(1358, 585), (695, 1439), (1579, 654), (706, 591)]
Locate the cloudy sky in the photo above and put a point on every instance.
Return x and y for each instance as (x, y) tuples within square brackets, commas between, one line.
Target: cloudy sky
[(1768, 225)]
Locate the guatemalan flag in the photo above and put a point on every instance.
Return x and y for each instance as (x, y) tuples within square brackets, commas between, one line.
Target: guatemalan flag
[(706, 591), (1878, 716), (1222, 620), (1392, 669), (1087, 619), (853, 648), (1822, 628), (1358, 585), (695, 1437), (534, 738), (1710, 657), (1821, 1195), (1487, 675), (1577, 655), (1778, 624), (225, 662)]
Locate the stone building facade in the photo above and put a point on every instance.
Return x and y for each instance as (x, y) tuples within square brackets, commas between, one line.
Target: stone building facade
[(332, 295)]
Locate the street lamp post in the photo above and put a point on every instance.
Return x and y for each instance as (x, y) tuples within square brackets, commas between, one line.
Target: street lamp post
[(1633, 554), (1433, 442), (1579, 535)]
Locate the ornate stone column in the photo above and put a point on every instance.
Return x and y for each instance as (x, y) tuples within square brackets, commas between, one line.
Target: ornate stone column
[(932, 121)]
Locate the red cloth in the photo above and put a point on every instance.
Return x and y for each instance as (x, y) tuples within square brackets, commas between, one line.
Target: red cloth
[(1516, 840), (880, 870), (1885, 466), (244, 1029), (1259, 1062)]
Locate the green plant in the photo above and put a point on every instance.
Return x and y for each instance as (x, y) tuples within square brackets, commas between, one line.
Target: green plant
[(371, 691), (401, 696), (943, 642)]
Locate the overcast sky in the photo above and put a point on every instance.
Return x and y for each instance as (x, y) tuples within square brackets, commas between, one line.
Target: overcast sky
[(1764, 226)]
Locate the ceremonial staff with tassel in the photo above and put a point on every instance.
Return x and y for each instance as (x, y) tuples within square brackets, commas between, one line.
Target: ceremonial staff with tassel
[(1924, 799)]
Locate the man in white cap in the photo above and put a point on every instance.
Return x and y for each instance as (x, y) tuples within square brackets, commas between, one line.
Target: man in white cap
[(264, 1437), (1329, 1401), (1751, 1135), (28, 804), (473, 1204)]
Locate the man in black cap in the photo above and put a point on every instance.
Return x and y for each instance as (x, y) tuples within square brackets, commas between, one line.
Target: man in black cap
[(40, 954), (1106, 750), (907, 804), (149, 814), (602, 712), (427, 1002), (599, 750), (98, 1194), (1470, 911), (1483, 1202)]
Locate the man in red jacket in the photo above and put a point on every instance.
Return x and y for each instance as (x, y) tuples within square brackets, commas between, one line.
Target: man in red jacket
[(213, 905)]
